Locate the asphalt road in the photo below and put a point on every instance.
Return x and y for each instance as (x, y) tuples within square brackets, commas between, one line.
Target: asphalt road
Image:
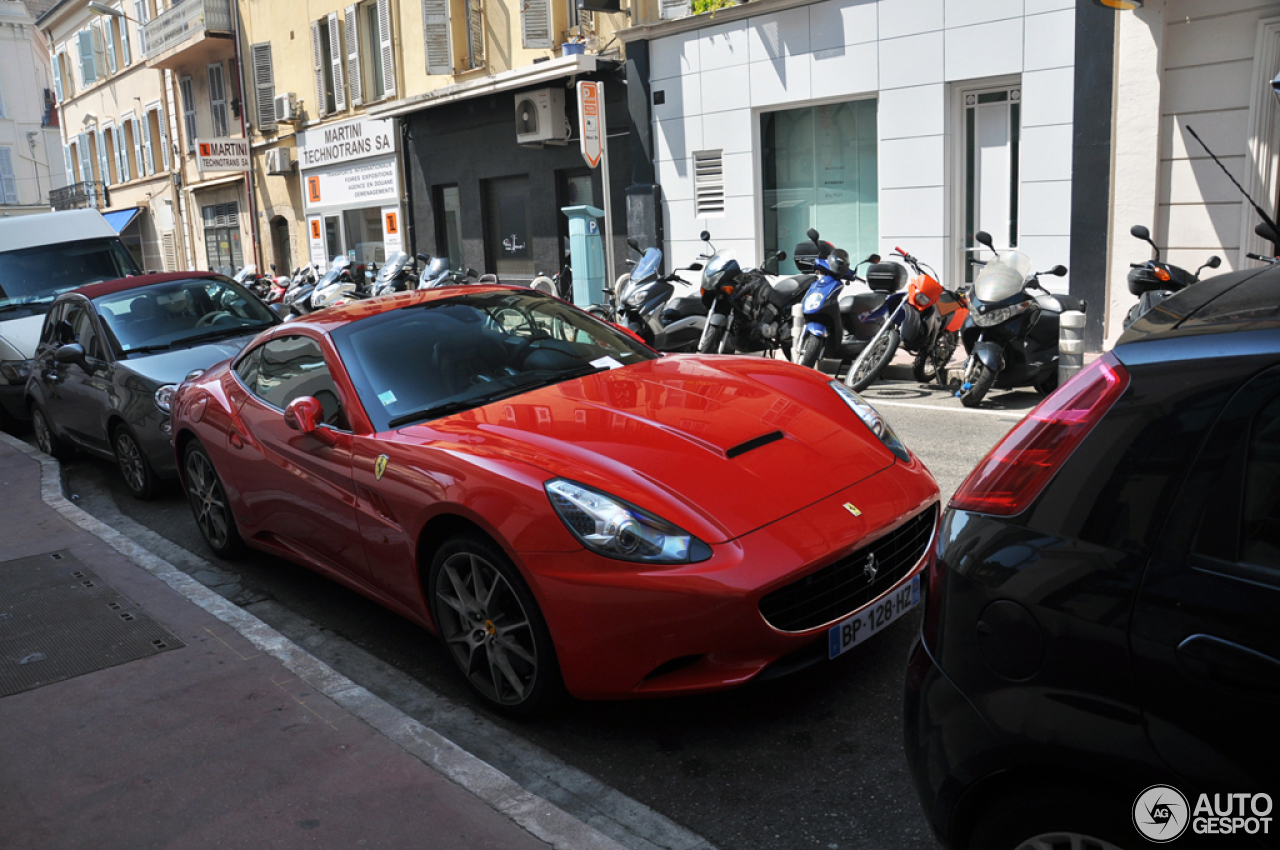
[(813, 760)]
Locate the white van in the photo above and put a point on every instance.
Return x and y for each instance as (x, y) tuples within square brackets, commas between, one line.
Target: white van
[(40, 257)]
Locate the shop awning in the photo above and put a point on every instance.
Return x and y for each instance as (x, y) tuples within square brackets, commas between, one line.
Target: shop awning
[(530, 75), (120, 219)]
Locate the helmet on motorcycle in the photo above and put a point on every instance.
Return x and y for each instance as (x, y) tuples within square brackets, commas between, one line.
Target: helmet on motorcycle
[(837, 262), (720, 270)]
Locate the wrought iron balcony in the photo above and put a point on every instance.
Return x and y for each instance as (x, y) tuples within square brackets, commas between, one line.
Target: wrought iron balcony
[(78, 196), (193, 32)]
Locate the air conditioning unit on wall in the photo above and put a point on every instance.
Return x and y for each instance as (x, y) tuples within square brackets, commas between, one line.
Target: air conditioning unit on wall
[(279, 161), (286, 108), (540, 117)]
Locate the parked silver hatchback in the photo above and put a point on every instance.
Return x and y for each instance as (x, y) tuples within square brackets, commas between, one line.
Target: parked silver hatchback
[(111, 354)]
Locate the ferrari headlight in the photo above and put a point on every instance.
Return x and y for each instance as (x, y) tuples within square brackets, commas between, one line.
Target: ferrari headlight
[(15, 371), (873, 420), (616, 529), (164, 397), (1001, 315)]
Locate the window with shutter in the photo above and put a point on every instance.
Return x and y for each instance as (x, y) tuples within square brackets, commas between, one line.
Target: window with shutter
[(8, 181), (351, 23), (123, 28), (188, 111), (135, 135), (708, 183), (109, 35), (324, 95), (69, 162), (57, 76), (475, 33), (217, 100), (99, 51), (336, 61), (435, 25), (86, 164), (386, 49), (111, 138), (148, 153), (104, 169), (163, 137), (140, 15), (535, 23), (88, 70), (264, 85)]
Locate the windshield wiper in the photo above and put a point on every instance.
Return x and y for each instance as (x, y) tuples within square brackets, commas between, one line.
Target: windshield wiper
[(436, 411), (148, 349), (217, 333), (37, 306)]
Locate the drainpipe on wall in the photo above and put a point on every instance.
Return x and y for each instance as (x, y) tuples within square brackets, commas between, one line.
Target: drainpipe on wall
[(406, 177)]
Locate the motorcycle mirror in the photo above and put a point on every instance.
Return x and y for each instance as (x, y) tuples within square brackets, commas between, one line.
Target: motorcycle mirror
[(426, 258), (635, 246), (982, 237), (1139, 231), (873, 259), (780, 255), (812, 234), (705, 236), (472, 273), (1264, 230), (695, 267), (1058, 270), (1214, 261)]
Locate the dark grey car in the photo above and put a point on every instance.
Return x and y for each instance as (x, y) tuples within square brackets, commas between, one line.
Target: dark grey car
[(111, 354)]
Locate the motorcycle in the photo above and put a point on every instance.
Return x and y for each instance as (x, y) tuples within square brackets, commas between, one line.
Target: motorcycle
[(1011, 333), (298, 300), (663, 310), (925, 320), (1154, 281), (349, 283), (749, 311), (838, 305)]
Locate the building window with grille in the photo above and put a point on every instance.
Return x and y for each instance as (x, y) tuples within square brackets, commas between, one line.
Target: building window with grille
[(992, 128), (222, 237)]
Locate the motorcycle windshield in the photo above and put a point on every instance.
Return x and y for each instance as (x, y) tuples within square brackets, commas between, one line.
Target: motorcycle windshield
[(648, 266), (437, 267), (394, 264), (716, 268), (1003, 276)]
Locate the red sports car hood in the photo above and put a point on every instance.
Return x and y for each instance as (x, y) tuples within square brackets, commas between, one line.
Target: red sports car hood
[(718, 445)]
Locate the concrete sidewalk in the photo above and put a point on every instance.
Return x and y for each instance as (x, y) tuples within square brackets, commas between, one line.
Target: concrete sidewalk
[(223, 733)]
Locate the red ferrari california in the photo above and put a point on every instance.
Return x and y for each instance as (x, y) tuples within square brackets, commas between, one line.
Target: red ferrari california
[(564, 507)]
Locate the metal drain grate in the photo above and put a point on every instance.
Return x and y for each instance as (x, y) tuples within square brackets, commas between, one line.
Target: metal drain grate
[(59, 619)]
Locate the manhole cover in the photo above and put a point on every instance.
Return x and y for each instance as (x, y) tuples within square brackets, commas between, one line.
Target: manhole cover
[(59, 619)]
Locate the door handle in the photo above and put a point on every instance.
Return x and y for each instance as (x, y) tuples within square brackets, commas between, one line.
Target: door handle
[(1223, 662)]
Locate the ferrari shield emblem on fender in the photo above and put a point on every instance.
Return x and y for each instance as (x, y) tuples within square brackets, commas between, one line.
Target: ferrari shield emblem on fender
[(852, 508), (380, 466)]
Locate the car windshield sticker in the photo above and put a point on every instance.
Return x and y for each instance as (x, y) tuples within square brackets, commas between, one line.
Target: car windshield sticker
[(607, 362), (388, 398)]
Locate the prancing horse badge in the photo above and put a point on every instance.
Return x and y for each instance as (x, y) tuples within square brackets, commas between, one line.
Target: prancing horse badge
[(380, 466), (852, 508)]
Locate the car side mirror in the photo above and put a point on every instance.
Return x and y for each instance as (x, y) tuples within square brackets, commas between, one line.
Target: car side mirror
[(72, 352), (306, 416)]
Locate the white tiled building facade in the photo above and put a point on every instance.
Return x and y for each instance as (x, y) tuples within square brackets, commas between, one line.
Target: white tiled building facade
[(969, 104)]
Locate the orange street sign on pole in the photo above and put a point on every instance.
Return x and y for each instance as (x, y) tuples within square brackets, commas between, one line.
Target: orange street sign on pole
[(589, 115)]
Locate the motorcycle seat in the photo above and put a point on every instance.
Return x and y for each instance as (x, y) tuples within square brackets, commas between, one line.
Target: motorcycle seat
[(788, 286)]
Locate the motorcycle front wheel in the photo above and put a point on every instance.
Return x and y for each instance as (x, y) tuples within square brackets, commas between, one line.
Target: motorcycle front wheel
[(811, 350), (712, 339), (932, 360), (871, 362), (979, 379)]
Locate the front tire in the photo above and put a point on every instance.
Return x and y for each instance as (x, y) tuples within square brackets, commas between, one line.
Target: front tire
[(980, 379), (208, 500), (48, 442), (810, 350), (492, 628), (138, 475), (712, 336), (872, 361), (931, 363)]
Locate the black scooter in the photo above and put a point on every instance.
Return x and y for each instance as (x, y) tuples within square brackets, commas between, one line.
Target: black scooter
[(1011, 333), (1154, 281)]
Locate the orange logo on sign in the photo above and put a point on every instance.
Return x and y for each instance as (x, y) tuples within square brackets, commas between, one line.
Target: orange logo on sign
[(391, 223), (204, 149), (315, 228), (313, 189)]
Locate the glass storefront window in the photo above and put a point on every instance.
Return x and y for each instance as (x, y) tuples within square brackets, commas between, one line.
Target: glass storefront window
[(508, 231), (819, 166), (364, 235), (222, 237)]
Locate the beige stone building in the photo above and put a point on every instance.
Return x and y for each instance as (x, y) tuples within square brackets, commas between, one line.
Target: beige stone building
[(30, 142)]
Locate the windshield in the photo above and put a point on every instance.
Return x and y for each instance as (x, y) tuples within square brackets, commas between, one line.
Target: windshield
[(1003, 276), (177, 312), (38, 274), (394, 264), (432, 359), (648, 265)]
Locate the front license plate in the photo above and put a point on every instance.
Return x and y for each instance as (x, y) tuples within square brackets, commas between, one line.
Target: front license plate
[(847, 634)]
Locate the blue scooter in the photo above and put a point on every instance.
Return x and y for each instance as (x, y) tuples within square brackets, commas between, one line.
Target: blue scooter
[(837, 315)]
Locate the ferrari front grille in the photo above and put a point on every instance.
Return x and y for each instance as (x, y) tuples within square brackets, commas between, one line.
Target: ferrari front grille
[(842, 587)]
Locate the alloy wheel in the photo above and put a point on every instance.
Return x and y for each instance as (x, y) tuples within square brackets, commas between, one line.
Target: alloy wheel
[(486, 628), (1065, 841), (44, 437), (208, 501), (132, 465)]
